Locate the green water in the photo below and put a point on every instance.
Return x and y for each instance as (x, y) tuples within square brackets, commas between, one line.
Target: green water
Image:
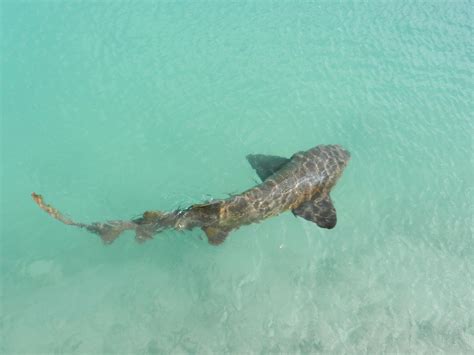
[(113, 108)]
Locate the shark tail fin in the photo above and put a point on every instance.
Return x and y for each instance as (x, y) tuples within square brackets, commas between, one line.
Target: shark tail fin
[(107, 231)]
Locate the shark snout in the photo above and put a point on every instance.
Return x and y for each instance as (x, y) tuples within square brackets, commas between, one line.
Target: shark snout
[(341, 155), (346, 156)]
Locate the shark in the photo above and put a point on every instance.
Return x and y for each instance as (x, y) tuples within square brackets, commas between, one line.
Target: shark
[(300, 184)]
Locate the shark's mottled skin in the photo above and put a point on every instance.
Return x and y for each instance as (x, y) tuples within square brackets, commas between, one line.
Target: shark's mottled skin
[(300, 184)]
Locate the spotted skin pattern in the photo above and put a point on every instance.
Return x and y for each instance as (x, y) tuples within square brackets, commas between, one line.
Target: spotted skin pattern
[(301, 184)]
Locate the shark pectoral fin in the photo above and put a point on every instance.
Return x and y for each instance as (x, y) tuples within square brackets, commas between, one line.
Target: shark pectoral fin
[(215, 235), (319, 210), (266, 165)]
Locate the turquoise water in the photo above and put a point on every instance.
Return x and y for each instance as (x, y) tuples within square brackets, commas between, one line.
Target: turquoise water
[(113, 108)]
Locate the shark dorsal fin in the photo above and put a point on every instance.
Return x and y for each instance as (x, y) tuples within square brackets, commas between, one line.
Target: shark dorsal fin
[(319, 210), (266, 165)]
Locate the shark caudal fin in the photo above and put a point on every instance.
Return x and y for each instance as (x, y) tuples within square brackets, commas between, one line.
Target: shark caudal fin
[(107, 231), (266, 165), (319, 210)]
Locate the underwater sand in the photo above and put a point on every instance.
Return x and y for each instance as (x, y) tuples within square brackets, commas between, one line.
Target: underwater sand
[(113, 108)]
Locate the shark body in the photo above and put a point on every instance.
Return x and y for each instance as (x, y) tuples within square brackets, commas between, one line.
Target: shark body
[(301, 184)]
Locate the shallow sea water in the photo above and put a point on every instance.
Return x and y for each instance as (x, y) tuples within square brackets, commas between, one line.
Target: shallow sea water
[(113, 108)]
